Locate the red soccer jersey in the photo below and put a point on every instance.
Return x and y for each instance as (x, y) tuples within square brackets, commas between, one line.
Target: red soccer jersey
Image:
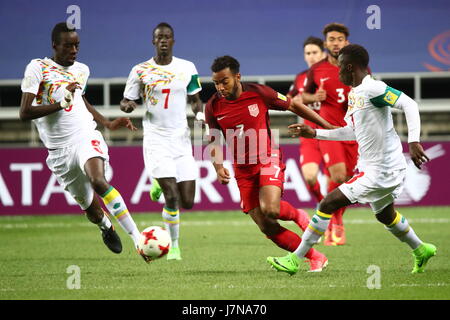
[(334, 108), (245, 122), (297, 88)]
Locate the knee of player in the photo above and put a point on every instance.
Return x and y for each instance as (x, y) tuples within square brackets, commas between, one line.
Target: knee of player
[(310, 180), (339, 178), (187, 204), (172, 200), (268, 228), (270, 211), (99, 184)]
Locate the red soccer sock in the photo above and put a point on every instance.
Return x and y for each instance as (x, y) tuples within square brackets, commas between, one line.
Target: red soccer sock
[(315, 191), (337, 217), (289, 213), (290, 241), (286, 239)]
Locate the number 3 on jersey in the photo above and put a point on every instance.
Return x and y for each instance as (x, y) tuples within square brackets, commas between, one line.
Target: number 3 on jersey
[(166, 102), (341, 95)]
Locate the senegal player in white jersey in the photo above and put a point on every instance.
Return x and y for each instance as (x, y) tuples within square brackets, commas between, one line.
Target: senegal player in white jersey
[(381, 162), (53, 97), (165, 84)]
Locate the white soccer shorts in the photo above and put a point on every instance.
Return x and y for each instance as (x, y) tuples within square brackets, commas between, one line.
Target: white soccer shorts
[(67, 164), (379, 189), (170, 157)]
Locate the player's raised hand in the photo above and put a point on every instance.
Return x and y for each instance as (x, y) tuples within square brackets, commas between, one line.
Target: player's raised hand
[(417, 154), (68, 92), (223, 175), (301, 130), (121, 123), (127, 105), (321, 93)]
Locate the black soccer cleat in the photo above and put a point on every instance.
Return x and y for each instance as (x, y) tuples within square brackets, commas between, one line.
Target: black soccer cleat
[(112, 240)]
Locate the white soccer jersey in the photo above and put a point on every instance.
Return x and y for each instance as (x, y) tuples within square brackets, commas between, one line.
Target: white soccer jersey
[(369, 122), (163, 89), (47, 80)]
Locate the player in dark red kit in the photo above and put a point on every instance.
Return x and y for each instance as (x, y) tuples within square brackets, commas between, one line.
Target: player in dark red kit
[(323, 86), (240, 112), (310, 155)]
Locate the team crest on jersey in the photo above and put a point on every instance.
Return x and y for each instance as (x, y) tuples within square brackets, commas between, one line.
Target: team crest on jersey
[(355, 101), (390, 97), (254, 110)]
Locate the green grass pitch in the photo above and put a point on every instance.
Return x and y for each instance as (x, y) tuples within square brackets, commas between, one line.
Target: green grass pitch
[(224, 257)]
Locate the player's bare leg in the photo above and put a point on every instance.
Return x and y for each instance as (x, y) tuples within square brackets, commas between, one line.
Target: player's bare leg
[(96, 215), (398, 225), (335, 234), (273, 206), (316, 228), (187, 193), (112, 199), (171, 214), (265, 217)]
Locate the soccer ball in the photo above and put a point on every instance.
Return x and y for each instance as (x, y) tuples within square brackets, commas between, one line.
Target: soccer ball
[(154, 243)]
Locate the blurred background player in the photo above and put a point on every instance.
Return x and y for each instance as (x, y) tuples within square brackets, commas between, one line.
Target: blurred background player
[(310, 156), (165, 83), (240, 112), (53, 97), (382, 165), (323, 86)]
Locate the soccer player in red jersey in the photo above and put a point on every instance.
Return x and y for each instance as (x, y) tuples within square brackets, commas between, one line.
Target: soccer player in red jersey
[(323, 86), (240, 112), (310, 156)]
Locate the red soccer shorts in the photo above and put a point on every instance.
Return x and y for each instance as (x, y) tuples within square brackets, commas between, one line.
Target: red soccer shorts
[(338, 151), (252, 177), (310, 151)]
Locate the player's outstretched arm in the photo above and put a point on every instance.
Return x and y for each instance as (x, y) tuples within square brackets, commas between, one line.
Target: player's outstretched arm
[(301, 130), (121, 122), (412, 115), (303, 111), (29, 112), (338, 134)]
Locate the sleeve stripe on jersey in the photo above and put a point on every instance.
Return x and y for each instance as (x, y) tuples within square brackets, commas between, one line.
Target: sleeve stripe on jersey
[(194, 86), (388, 98)]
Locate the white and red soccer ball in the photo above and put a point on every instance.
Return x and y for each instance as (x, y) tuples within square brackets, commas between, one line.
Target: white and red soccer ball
[(154, 243)]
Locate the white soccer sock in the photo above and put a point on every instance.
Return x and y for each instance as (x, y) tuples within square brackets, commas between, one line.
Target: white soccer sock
[(316, 228), (401, 229), (117, 207), (105, 224), (171, 218)]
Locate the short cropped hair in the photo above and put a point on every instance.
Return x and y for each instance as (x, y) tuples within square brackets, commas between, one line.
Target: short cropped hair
[(339, 27), (224, 62), (163, 25), (313, 40), (356, 54), (58, 29)]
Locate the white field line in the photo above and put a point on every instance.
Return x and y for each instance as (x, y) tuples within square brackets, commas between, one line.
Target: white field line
[(203, 223), (234, 286)]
